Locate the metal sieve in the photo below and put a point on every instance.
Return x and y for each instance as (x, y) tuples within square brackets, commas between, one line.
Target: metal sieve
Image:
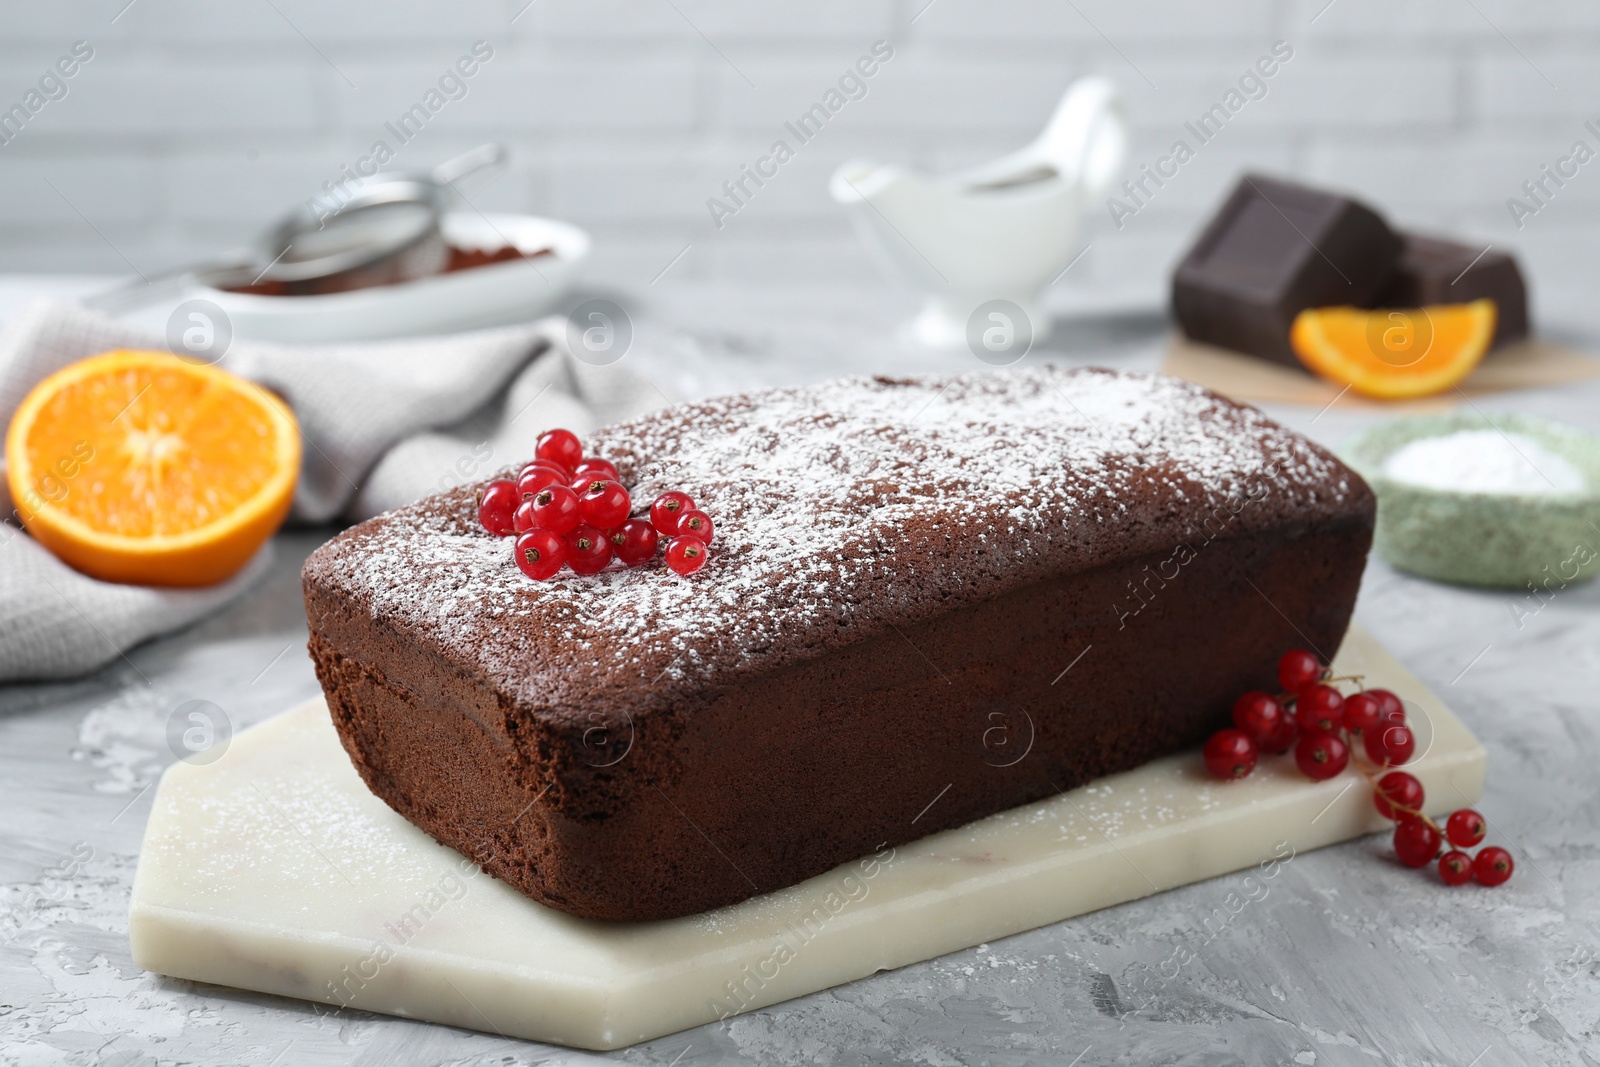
[(387, 231)]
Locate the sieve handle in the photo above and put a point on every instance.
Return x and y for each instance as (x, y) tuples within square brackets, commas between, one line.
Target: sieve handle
[(485, 155)]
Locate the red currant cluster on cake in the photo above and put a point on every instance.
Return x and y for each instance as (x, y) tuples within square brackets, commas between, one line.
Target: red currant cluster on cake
[(569, 510), (1322, 726)]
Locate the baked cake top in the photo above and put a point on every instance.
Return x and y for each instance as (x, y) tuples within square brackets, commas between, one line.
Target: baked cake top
[(841, 510)]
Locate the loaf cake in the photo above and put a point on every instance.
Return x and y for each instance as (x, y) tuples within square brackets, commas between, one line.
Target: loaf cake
[(930, 600)]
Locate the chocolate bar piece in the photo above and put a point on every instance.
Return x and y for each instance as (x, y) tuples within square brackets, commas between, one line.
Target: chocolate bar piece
[(1273, 250), (1435, 271)]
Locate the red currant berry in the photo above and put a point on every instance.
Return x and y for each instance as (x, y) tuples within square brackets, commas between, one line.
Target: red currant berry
[(560, 447), (1415, 842), (1283, 738), (1398, 796), (592, 468), (667, 510), (554, 508), (634, 542), (522, 518), (1258, 715), (687, 554), (1492, 865), (604, 503), (1230, 754), (1465, 828), (496, 504), (697, 523), (1319, 708), (540, 554), (535, 476), (1388, 703), (547, 463), (1360, 712), (1321, 755), (1390, 746), (1298, 669), (1455, 867), (588, 551)]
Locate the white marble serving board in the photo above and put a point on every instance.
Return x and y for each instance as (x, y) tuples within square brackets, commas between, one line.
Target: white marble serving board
[(273, 868)]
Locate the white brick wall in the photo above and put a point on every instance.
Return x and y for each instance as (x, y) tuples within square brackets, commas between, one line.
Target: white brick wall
[(196, 122)]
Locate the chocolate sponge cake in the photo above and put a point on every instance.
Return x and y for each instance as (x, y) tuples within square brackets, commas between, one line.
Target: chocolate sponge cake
[(929, 600)]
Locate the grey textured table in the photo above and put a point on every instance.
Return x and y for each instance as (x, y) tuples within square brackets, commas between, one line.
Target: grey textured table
[(1348, 959)]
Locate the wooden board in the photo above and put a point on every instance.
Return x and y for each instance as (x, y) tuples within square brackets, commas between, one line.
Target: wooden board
[(1526, 365)]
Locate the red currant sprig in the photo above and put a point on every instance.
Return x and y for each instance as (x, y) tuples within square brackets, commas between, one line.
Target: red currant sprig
[(1322, 726), (571, 510)]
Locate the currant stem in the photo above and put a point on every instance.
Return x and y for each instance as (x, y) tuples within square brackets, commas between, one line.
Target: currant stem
[(1372, 779)]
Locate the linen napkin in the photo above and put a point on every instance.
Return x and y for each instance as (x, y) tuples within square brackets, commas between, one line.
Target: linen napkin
[(384, 424)]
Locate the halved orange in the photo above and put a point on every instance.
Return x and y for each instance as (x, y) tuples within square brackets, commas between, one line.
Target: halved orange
[(1394, 353), (143, 467)]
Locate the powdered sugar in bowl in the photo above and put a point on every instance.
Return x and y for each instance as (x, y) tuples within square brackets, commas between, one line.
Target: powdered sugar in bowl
[(1499, 500)]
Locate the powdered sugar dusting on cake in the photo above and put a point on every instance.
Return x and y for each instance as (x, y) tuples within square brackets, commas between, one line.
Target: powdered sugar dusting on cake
[(841, 511)]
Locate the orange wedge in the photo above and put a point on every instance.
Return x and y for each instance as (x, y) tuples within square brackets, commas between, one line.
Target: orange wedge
[(143, 467), (1395, 353)]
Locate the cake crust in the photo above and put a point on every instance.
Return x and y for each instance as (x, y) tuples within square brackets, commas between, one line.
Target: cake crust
[(909, 576)]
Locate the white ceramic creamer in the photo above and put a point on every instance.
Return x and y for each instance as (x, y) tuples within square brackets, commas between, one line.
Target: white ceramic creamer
[(1000, 231)]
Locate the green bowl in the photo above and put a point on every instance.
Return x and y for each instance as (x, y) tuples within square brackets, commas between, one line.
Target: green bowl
[(1496, 539)]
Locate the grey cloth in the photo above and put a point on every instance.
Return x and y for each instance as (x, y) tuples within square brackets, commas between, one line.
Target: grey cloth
[(384, 424), (57, 623)]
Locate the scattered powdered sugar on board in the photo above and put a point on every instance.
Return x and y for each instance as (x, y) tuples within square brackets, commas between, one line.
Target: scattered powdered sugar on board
[(841, 510), (1483, 461)]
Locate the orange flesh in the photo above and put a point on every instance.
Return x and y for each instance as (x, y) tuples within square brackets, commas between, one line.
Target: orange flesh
[(1395, 353), (138, 466), (171, 453)]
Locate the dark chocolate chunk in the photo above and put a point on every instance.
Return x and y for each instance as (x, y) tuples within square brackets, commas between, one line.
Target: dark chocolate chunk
[(1435, 271), (1273, 250)]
